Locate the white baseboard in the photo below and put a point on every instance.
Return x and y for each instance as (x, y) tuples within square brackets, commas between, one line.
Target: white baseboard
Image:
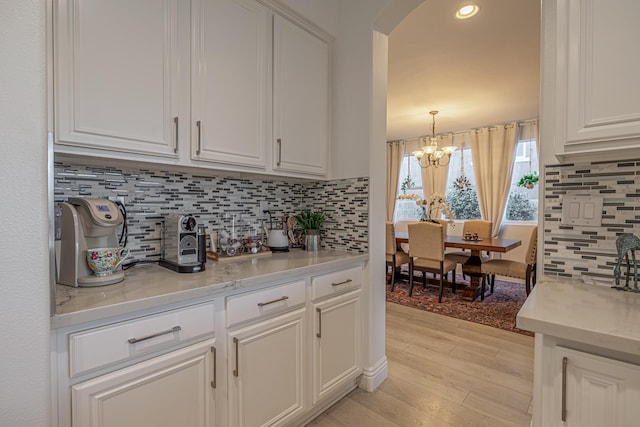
[(372, 377)]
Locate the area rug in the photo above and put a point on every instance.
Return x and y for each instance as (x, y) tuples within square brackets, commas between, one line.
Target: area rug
[(498, 310)]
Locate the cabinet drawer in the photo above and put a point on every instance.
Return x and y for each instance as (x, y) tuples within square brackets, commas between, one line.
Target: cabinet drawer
[(336, 283), (265, 302), (115, 343)]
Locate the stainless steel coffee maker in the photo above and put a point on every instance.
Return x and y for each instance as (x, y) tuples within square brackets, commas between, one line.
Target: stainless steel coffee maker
[(179, 246), (87, 223)]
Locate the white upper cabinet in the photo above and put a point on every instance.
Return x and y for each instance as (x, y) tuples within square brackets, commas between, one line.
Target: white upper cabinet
[(598, 75), (301, 99), (116, 75), (221, 84), (229, 81)]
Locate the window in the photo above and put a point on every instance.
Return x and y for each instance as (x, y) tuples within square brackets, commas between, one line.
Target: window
[(462, 194), (411, 177), (523, 202), (461, 190), (461, 186)]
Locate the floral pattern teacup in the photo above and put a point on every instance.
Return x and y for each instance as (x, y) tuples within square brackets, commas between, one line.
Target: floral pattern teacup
[(104, 261)]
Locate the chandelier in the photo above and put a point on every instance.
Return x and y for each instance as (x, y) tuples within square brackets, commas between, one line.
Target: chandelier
[(430, 155)]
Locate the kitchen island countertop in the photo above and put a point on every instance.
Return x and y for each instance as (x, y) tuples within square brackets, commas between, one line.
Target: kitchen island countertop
[(148, 286), (588, 313)]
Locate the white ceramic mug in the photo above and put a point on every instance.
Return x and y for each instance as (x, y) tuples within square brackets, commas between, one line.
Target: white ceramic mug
[(104, 261)]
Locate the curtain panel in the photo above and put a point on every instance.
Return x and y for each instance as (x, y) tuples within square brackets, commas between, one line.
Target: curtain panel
[(395, 153), (493, 150)]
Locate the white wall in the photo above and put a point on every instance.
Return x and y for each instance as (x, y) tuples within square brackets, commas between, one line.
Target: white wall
[(24, 305)]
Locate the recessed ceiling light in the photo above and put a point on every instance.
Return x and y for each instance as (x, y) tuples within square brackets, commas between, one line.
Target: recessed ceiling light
[(467, 11)]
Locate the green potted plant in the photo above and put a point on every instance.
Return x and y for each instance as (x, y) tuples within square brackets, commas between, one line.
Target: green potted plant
[(407, 183), (529, 181), (311, 222)]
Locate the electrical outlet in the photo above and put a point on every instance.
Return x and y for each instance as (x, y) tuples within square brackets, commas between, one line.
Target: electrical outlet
[(116, 199)]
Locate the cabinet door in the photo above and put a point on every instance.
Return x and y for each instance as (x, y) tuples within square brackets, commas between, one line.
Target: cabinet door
[(599, 88), (116, 73), (336, 345), (301, 99), (175, 389), (229, 81), (598, 391), (266, 367)]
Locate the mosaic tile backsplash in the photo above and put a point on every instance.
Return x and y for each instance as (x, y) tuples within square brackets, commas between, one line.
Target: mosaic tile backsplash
[(590, 252), (214, 200)]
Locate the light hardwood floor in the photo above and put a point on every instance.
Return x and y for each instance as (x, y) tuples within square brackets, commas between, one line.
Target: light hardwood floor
[(444, 372)]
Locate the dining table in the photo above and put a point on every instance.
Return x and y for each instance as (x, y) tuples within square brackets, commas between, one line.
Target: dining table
[(472, 267)]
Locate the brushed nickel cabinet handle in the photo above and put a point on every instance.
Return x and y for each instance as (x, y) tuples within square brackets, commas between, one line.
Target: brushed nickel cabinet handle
[(319, 311), (279, 152), (199, 137), (237, 370), (262, 304), (214, 381), (157, 334), (342, 283), (175, 121), (563, 416)]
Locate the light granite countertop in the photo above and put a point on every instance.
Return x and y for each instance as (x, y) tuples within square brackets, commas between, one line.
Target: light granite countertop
[(590, 313), (147, 286)]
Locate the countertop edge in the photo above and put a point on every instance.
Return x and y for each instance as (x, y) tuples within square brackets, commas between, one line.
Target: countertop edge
[(196, 294), (596, 322)]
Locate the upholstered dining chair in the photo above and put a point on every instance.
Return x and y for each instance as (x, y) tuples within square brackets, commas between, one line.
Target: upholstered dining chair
[(479, 226), (395, 257), (524, 268), (426, 254)]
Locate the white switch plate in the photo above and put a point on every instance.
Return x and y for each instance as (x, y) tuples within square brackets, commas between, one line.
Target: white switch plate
[(582, 210)]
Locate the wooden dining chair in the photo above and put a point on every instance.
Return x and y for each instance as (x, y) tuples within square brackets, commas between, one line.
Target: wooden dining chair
[(395, 257), (523, 268), (426, 254)]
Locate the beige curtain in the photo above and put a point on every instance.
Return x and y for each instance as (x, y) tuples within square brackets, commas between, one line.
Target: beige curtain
[(434, 179), (395, 152), (493, 151)]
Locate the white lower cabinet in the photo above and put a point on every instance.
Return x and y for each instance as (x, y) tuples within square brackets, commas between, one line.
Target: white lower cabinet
[(592, 391), (175, 389), (286, 352), (266, 364), (336, 344)]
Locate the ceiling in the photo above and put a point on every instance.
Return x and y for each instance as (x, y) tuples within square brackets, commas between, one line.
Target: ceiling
[(477, 72)]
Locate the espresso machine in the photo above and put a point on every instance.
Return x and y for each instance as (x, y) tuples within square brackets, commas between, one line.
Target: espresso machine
[(87, 223), (180, 248)]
